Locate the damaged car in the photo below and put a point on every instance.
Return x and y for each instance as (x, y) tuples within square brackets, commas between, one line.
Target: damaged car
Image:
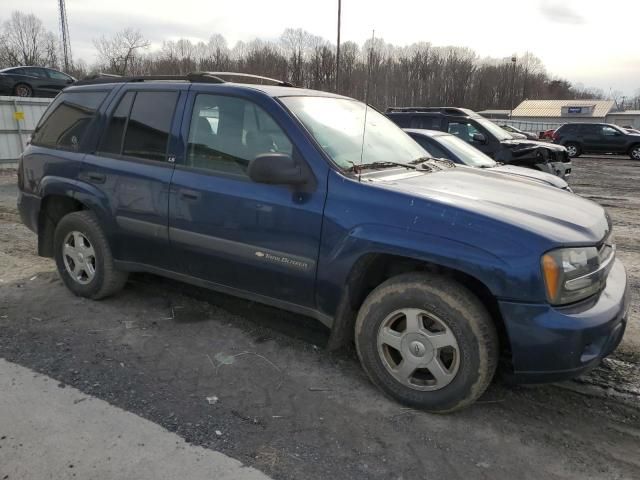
[(318, 204), (486, 136)]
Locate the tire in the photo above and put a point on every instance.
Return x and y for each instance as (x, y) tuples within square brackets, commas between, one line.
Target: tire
[(439, 302), (573, 149), (634, 153), (83, 257), (23, 90)]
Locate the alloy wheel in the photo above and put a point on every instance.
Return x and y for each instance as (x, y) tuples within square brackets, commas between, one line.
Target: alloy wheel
[(79, 257), (572, 150), (418, 349)]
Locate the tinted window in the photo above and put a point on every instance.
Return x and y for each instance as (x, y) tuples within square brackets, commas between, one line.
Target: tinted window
[(58, 75), (428, 123), (590, 129), (112, 139), (15, 71), (566, 129), (401, 119), (432, 148), (36, 72), (609, 131), (65, 122), (226, 133), (147, 132)]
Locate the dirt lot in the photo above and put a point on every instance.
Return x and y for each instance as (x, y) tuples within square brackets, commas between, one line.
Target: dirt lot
[(290, 408)]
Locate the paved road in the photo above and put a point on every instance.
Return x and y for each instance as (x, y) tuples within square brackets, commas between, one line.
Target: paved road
[(51, 431)]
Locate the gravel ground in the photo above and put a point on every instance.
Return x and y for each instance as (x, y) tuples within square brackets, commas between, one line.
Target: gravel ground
[(197, 362)]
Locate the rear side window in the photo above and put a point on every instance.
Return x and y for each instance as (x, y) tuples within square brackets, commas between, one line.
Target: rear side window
[(65, 122), (567, 129), (140, 125), (590, 129), (426, 122), (401, 119)]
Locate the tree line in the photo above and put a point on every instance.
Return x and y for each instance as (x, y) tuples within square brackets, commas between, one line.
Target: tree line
[(383, 74)]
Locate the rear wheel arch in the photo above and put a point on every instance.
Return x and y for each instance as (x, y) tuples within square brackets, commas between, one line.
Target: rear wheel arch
[(372, 269), (53, 208)]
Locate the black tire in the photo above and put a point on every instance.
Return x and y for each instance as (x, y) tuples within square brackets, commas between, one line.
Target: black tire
[(570, 146), (634, 152), (106, 280), (23, 90), (462, 313)]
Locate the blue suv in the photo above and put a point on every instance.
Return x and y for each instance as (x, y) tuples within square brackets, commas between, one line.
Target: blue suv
[(318, 204)]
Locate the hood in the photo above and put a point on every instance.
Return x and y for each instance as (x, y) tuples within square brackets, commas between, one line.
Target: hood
[(518, 144), (559, 216), (530, 173)]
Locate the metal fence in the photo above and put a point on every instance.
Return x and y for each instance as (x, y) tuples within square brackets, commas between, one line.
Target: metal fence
[(18, 119)]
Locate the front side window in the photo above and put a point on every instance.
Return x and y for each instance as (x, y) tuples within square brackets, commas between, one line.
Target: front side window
[(463, 130), (609, 131), (58, 75), (226, 133), (65, 122), (351, 133)]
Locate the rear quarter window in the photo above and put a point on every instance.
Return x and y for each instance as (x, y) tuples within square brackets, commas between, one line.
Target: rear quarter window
[(65, 123)]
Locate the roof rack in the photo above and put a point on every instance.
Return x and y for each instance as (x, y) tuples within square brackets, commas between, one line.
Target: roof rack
[(445, 110), (193, 77)]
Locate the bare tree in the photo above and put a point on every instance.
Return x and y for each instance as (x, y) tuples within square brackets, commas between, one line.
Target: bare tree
[(25, 41), (119, 52)]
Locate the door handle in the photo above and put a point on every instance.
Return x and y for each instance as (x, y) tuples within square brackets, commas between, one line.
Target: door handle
[(189, 194), (94, 177)]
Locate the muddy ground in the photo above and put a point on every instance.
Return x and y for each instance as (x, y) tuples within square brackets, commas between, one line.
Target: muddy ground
[(290, 408)]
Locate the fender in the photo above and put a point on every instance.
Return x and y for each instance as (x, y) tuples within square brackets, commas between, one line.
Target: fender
[(85, 193), (335, 266)]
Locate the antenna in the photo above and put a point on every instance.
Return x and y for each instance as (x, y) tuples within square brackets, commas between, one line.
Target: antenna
[(65, 42), (366, 99)]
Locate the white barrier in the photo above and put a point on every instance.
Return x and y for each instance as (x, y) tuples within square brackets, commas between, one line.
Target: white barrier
[(18, 119)]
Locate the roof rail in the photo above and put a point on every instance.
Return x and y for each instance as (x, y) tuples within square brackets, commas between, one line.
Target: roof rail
[(445, 110), (193, 77)]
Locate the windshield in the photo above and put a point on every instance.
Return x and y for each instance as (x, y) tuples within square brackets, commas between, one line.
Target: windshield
[(468, 154), (337, 124), (494, 129)]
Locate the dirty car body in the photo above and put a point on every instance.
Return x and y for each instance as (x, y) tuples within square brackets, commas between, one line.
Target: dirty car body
[(268, 193)]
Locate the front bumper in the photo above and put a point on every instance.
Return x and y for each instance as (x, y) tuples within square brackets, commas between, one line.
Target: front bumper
[(549, 344)]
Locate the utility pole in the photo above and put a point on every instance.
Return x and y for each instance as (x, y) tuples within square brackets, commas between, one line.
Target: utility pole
[(65, 42), (514, 59), (338, 48)]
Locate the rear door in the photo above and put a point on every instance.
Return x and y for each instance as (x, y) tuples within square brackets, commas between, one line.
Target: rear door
[(247, 236), (132, 167), (592, 139)]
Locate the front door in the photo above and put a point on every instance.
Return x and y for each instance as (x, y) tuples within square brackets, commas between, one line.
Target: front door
[(252, 237)]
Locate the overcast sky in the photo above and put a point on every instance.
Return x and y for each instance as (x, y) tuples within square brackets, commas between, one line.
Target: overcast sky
[(595, 43)]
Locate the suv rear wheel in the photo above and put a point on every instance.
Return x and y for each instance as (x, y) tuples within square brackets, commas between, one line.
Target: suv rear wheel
[(634, 153), (83, 257), (573, 149), (427, 341)]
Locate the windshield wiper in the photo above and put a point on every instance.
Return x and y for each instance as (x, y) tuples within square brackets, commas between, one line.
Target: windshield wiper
[(364, 166)]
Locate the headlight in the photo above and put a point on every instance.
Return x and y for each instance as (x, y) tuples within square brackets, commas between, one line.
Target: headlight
[(573, 274)]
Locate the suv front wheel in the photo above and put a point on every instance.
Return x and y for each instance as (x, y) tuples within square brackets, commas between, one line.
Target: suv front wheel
[(427, 341), (83, 257), (573, 149)]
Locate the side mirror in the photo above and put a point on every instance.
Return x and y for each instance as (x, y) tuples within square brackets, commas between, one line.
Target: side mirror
[(479, 137), (276, 169)]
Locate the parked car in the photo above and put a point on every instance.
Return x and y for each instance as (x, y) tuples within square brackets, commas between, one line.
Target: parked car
[(486, 136), (547, 134), (320, 205), (444, 145), (33, 81), (517, 133), (581, 138)]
